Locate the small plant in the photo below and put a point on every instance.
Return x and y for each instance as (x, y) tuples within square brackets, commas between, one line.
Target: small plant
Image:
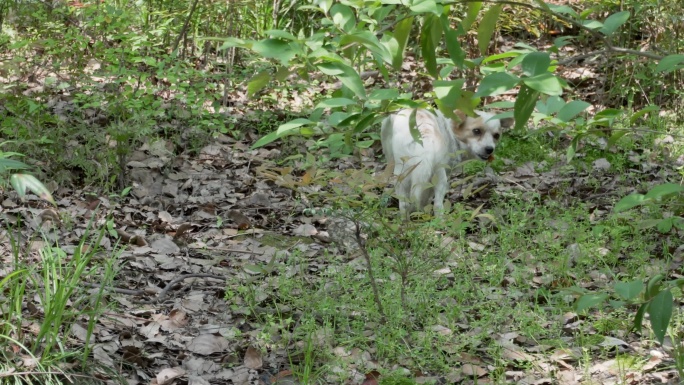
[(658, 200), (57, 282), (20, 182)]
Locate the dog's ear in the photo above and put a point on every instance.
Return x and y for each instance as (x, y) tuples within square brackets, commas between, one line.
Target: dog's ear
[(462, 117), (507, 122)]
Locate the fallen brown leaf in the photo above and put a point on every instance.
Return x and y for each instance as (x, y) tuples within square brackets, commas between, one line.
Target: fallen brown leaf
[(253, 358)]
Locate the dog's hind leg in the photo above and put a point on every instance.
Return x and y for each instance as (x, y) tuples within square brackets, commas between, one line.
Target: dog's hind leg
[(441, 187)]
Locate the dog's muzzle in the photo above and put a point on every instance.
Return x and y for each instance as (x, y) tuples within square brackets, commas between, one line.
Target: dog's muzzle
[(488, 151)]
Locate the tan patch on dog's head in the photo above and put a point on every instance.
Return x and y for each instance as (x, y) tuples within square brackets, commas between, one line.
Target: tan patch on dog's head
[(468, 128)]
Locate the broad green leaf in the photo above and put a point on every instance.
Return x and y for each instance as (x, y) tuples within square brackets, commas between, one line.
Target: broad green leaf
[(546, 83), (629, 290), (503, 104), (413, 128), (230, 42), (487, 26), (592, 24), (266, 139), (635, 116), (349, 121), (551, 105), (639, 317), (448, 92), (291, 125), (392, 46), (503, 55), (368, 40), (466, 103), (613, 22), (536, 63), (384, 94), (562, 9), (347, 75), (11, 164), (616, 304), (524, 105), (653, 286), (335, 102), (257, 83), (628, 202), (663, 190), (282, 73), (324, 5), (274, 49), (342, 119), (678, 222), (280, 34), (454, 49), (660, 310), (426, 6), (379, 14), (282, 131), (364, 143), (23, 182), (647, 223), (401, 33), (496, 83), (254, 269), (606, 117), (364, 122), (670, 63), (562, 41), (572, 109), (343, 17), (428, 47), (665, 225), (589, 300), (471, 14)]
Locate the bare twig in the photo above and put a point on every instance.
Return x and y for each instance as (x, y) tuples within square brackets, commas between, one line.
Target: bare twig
[(162, 294), (118, 290), (371, 277), (184, 29)]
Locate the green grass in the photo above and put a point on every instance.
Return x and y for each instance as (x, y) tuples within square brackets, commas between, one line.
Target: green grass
[(53, 286), (440, 300), (443, 299)]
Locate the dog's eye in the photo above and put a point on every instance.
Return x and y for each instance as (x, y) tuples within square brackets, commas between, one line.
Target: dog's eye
[(496, 136), (477, 131)]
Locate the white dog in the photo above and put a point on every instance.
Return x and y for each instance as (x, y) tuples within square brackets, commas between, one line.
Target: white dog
[(422, 168)]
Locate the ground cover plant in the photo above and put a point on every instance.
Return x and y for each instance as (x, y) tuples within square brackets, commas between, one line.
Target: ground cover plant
[(215, 207)]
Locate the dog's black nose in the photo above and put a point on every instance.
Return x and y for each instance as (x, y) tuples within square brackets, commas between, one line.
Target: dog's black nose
[(489, 150)]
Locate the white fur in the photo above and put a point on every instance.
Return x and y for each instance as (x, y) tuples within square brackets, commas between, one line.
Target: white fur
[(421, 169)]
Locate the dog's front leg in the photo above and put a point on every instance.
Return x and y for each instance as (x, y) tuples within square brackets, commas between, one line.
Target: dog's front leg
[(403, 192), (441, 186)]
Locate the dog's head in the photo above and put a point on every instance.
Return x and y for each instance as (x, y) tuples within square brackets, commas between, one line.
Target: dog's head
[(480, 134)]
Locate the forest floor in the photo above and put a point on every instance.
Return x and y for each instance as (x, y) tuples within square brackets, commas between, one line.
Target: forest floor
[(241, 266)]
